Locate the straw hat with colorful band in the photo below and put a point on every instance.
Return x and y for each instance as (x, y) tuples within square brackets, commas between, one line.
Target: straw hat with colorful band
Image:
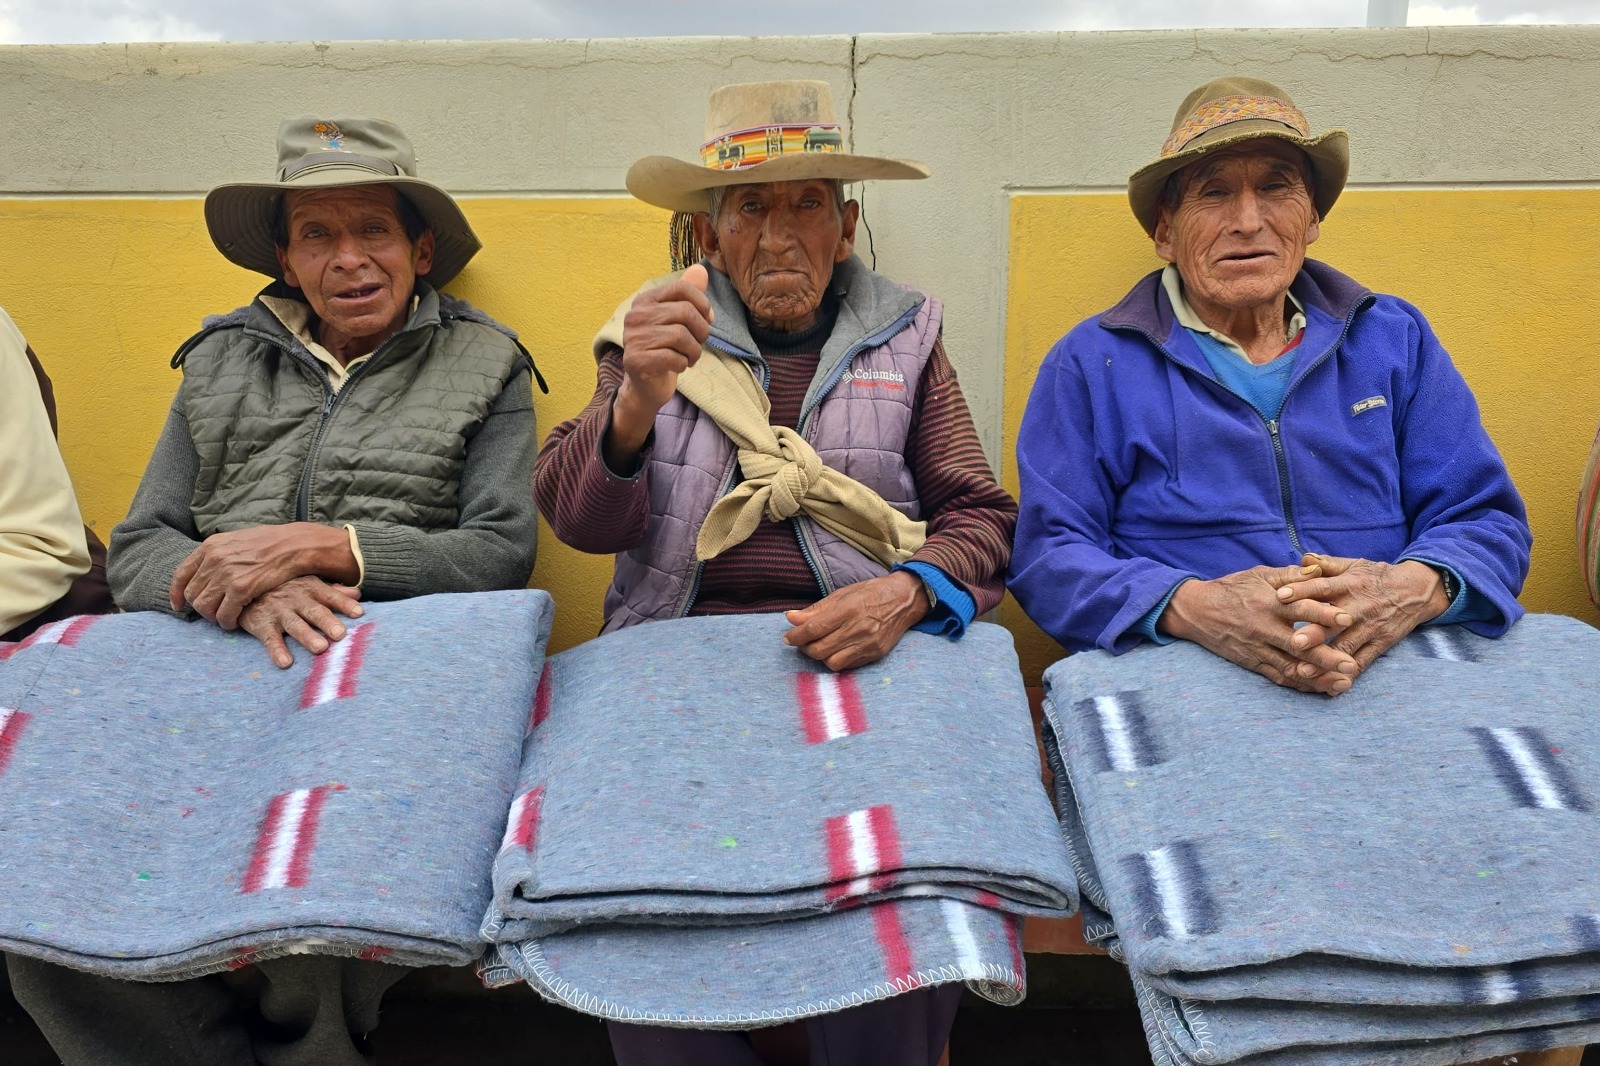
[(758, 132), (1229, 111), (321, 153)]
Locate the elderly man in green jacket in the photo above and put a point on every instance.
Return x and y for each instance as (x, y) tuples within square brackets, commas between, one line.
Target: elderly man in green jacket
[(352, 432)]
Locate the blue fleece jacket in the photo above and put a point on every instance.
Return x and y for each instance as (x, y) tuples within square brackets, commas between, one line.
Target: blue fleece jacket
[(1139, 469)]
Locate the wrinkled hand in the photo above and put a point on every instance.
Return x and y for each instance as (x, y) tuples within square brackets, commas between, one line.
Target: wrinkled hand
[(302, 608), (1385, 601), (860, 623), (661, 338), (228, 571), (1242, 618)]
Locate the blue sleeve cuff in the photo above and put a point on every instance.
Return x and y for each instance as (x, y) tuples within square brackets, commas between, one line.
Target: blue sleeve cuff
[(1146, 626), (953, 608)]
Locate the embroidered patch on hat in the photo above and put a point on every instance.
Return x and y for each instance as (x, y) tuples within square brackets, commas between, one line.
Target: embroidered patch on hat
[(331, 134), (1222, 111), (1368, 404)]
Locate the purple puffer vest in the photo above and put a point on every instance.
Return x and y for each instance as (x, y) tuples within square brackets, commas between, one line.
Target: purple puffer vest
[(856, 414)]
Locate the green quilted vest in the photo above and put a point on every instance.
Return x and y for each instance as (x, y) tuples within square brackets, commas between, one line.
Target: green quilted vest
[(276, 444)]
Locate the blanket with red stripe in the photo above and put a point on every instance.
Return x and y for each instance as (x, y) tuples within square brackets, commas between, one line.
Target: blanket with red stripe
[(172, 804), (696, 791)]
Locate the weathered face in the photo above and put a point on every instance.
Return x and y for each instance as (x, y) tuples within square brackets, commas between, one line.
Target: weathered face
[(1239, 232), (778, 243), (349, 253)]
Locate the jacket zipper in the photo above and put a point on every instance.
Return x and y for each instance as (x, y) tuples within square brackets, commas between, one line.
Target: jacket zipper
[(330, 405), (1274, 425), (1282, 460)]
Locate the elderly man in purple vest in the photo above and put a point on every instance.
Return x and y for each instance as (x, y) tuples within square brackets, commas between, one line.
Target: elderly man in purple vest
[(778, 428)]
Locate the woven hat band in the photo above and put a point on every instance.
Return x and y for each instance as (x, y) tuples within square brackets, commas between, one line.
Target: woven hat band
[(746, 148), (319, 160), (1222, 111)]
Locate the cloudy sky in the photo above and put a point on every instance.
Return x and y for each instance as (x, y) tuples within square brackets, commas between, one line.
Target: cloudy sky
[(88, 21)]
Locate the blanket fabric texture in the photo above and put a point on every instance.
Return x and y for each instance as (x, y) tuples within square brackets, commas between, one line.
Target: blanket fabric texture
[(713, 830), (1403, 874), (172, 804)]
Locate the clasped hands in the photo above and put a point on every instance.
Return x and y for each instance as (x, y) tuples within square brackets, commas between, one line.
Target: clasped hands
[(273, 582), (1314, 627)]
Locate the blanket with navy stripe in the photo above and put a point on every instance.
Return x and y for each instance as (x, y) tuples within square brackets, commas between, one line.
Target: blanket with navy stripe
[(172, 804), (1405, 873), (713, 830)]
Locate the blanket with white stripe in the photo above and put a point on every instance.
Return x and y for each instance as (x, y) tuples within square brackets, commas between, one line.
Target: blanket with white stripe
[(696, 792), (1404, 873), (173, 804)]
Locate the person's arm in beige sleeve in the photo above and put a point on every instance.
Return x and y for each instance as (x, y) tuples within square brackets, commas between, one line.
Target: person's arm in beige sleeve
[(42, 547)]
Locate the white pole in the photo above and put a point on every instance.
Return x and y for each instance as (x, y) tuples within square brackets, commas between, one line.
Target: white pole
[(1386, 12)]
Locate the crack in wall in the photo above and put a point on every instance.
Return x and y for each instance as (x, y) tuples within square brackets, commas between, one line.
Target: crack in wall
[(850, 108)]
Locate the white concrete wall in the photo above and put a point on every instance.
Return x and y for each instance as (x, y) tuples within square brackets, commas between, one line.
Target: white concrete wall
[(993, 115)]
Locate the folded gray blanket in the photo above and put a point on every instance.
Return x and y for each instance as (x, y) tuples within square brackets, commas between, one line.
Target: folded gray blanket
[(700, 777), (1297, 879), (747, 976), (172, 804)]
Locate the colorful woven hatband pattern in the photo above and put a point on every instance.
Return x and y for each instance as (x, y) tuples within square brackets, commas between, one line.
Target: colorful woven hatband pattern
[(746, 148), (1220, 112)]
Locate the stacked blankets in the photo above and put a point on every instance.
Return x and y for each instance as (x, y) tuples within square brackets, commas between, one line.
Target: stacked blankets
[(712, 830), (172, 804), (1408, 873)]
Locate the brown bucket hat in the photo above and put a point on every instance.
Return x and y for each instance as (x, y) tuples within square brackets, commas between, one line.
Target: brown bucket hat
[(1228, 111), (762, 131), (318, 153)]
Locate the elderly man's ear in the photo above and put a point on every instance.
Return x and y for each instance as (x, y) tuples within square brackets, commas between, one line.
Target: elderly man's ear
[(847, 236)]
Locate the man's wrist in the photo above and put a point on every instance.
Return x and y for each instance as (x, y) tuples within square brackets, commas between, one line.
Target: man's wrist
[(630, 424), (329, 554), (1172, 621), (1435, 592), (919, 598)]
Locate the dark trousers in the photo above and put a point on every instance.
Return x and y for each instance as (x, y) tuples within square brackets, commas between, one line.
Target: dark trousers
[(314, 1011), (905, 1030)]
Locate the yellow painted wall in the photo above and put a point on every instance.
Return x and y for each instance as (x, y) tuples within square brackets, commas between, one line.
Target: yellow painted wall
[(1506, 277), (106, 290)]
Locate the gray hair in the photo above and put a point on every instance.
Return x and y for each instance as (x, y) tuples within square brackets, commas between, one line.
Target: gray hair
[(718, 195)]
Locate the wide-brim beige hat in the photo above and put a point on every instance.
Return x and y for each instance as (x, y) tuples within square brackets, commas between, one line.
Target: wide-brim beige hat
[(763, 131), (320, 153), (1229, 111)]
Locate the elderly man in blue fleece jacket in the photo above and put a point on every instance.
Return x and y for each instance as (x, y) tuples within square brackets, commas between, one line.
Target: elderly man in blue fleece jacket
[(1252, 451)]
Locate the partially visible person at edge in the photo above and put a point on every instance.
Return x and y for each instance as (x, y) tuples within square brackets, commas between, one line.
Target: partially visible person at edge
[(352, 432), (853, 367), (52, 566), (1251, 441), (1589, 523)]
